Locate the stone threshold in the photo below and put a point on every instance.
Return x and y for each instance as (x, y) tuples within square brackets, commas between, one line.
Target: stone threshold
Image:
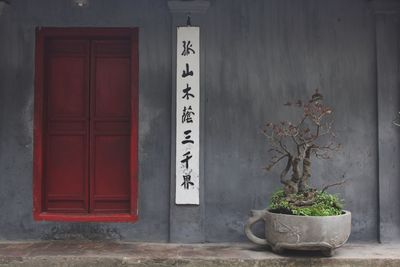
[(85, 253)]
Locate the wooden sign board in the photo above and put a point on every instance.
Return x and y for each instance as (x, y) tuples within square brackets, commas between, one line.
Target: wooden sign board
[(187, 115)]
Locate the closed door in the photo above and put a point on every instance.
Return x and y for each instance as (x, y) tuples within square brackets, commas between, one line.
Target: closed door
[(88, 130)]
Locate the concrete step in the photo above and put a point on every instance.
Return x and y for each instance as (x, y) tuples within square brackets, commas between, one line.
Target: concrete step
[(99, 254)]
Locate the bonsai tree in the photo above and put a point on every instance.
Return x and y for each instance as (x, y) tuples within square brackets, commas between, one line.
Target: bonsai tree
[(296, 144)]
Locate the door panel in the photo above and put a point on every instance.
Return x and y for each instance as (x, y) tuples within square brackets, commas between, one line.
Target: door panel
[(111, 183), (110, 126), (67, 126), (66, 172), (112, 87), (111, 160), (67, 86)]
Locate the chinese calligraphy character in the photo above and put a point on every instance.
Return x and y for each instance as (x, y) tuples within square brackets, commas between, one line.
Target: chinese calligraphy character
[(187, 137), (187, 72), (186, 159), (187, 115), (186, 181), (187, 48), (186, 91)]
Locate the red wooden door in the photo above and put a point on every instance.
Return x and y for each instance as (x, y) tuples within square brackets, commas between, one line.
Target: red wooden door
[(89, 128)]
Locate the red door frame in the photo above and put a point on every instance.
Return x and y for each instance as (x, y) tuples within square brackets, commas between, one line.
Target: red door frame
[(91, 33)]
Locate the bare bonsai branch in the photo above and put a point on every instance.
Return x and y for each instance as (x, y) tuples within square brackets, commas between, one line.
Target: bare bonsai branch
[(274, 162), (283, 147), (286, 170), (334, 184), (300, 203)]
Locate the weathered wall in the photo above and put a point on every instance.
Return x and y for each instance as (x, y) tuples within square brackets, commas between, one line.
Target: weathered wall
[(388, 94), (258, 55), (261, 55), (17, 34)]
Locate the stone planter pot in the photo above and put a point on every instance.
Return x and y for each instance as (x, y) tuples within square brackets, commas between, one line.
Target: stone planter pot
[(282, 231)]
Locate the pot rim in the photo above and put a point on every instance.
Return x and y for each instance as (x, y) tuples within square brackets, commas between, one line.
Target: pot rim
[(345, 213)]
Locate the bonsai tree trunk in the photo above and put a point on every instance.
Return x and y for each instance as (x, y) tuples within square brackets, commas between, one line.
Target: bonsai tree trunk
[(289, 187), (296, 170), (306, 170)]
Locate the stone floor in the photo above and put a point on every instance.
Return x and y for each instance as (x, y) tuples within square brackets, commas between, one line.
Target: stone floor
[(78, 253)]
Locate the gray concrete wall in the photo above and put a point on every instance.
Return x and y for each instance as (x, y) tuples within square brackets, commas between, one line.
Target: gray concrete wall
[(258, 55), (388, 93), (17, 35), (261, 55)]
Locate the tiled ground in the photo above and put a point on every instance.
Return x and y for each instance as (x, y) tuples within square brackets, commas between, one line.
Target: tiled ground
[(79, 253)]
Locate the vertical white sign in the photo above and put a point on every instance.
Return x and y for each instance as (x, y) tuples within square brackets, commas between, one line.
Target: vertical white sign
[(187, 115)]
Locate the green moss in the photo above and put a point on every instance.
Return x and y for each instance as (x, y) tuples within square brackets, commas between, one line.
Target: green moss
[(324, 204)]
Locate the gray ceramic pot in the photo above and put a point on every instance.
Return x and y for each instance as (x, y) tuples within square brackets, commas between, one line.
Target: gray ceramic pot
[(324, 233)]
